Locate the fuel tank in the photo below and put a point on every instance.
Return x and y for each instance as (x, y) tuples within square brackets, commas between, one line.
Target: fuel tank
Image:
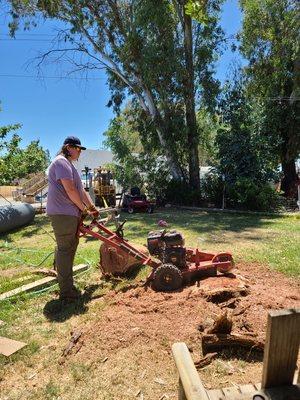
[(15, 215)]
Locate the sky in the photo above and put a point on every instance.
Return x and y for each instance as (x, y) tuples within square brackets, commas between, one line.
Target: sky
[(51, 108)]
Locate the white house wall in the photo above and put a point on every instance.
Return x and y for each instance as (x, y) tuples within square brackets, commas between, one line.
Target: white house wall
[(93, 159)]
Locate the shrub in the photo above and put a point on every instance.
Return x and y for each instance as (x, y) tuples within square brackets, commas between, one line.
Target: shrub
[(180, 193), (212, 190), (243, 194)]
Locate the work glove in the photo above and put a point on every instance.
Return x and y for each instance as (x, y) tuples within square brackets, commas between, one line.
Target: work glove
[(93, 212)]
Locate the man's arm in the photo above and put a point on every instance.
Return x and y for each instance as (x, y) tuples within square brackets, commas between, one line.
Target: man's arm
[(87, 199), (73, 193)]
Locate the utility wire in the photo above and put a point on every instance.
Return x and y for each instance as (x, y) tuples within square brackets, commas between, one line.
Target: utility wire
[(48, 77)]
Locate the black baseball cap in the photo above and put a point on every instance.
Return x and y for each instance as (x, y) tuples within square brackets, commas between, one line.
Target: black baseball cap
[(74, 141)]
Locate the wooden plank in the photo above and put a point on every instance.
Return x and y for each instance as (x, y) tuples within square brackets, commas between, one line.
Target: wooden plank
[(40, 284), (257, 386), (181, 393), (247, 389), (276, 393), (282, 393), (281, 349), (231, 391), (215, 394), (193, 388), (9, 346)]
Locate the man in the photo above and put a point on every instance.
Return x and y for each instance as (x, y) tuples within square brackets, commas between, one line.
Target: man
[(66, 202)]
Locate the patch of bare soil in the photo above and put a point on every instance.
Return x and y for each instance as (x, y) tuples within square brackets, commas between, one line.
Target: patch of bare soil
[(123, 352), (132, 341)]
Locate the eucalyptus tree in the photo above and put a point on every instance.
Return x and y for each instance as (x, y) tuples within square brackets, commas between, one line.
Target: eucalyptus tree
[(270, 40), (152, 51)]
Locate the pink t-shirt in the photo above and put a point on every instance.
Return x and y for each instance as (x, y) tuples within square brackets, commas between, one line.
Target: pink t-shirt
[(58, 202)]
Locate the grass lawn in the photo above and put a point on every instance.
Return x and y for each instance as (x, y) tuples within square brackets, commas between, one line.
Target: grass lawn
[(272, 241)]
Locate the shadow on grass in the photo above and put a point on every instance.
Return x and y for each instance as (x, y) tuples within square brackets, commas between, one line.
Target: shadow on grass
[(248, 355), (57, 310), (200, 222), (37, 226)]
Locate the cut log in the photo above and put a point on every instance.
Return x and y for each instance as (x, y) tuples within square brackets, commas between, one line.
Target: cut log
[(214, 342)]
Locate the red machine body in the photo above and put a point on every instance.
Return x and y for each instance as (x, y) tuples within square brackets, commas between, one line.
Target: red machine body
[(171, 263)]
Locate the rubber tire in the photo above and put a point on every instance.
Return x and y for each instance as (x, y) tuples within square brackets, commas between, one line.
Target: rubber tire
[(167, 278), (130, 210)]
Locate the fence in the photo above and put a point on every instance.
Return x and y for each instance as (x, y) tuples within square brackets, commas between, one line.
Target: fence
[(6, 191)]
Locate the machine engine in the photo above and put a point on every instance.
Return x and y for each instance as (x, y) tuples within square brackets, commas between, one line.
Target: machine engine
[(168, 247)]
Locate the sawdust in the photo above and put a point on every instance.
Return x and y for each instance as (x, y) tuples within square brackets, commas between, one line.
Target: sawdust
[(127, 349), (142, 325)]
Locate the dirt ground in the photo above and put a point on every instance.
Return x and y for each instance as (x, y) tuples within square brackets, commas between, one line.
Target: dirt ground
[(127, 352)]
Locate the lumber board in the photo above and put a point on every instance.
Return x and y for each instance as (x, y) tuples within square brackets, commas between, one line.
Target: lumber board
[(39, 284), (231, 391), (291, 392), (276, 393), (9, 346), (247, 389), (215, 394), (281, 348), (192, 386)]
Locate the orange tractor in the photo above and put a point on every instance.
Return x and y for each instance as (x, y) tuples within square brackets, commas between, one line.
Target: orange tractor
[(172, 264)]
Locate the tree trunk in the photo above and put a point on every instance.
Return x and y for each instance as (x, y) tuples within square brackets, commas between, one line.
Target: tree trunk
[(174, 165), (189, 93), (290, 178), (156, 117)]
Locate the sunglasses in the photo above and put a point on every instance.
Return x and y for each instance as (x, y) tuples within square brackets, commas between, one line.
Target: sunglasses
[(77, 148)]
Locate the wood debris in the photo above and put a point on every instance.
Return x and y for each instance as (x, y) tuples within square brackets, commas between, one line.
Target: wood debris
[(46, 272), (203, 362), (231, 303), (240, 310), (160, 381), (223, 324), (74, 339), (211, 342), (143, 374)]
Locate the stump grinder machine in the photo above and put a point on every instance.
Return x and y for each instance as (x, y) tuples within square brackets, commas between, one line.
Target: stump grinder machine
[(172, 264)]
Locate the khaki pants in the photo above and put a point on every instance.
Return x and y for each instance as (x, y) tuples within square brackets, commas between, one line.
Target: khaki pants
[(65, 231)]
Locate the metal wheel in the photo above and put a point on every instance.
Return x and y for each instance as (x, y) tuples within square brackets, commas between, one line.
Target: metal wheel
[(130, 210), (167, 277)]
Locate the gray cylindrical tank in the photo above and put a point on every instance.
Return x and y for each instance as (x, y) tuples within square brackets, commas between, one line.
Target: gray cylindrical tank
[(15, 215)]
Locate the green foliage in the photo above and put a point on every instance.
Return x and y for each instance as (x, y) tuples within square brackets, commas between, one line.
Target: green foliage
[(244, 149), (15, 162), (179, 193), (249, 195), (142, 46), (243, 194), (212, 188), (270, 42), (210, 125)]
